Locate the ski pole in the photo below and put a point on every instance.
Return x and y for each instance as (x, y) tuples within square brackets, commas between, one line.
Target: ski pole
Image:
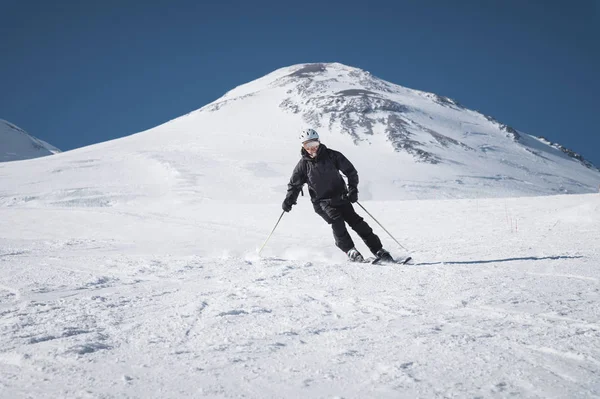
[(272, 231), (401, 246)]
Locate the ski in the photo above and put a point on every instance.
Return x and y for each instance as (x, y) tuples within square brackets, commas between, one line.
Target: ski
[(380, 261)]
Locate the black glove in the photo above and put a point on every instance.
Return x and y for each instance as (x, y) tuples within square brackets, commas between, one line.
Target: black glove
[(286, 207), (353, 195)]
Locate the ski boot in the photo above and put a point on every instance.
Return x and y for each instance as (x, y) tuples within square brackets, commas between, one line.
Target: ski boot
[(355, 256), (384, 256)]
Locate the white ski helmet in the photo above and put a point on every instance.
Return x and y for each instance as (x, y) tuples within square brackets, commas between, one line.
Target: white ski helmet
[(307, 135)]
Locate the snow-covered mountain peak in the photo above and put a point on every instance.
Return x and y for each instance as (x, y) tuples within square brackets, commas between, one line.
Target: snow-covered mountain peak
[(352, 101), (310, 79), (241, 148), (16, 144)]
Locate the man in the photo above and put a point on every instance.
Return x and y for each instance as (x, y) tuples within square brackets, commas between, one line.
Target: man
[(320, 168)]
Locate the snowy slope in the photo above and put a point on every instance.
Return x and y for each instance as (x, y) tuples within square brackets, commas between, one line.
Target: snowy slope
[(128, 268), (503, 301), (16, 144)]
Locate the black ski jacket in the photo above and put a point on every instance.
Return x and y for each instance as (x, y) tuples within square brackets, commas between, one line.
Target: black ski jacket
[(322, 174)]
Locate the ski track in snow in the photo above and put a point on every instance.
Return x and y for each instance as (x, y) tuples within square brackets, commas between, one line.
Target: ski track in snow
[(106, 317)]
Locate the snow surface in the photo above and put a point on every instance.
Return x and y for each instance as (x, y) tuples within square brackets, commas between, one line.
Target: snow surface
[(16, 144), (503, 301), (129, 268)]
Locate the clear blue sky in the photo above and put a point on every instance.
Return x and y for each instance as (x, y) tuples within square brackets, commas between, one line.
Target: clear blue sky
[(80, 72)]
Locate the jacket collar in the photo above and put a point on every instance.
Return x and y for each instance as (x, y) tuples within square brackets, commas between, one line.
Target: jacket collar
[(306, 155)]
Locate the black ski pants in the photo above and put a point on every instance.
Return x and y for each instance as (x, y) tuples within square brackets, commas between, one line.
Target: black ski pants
[(337, 216)]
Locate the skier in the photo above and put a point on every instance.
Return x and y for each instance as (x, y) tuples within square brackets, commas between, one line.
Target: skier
[(331, 198)]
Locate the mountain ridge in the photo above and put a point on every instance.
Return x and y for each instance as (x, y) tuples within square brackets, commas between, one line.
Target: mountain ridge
[(363, 100), (241, 149), (16, 144)]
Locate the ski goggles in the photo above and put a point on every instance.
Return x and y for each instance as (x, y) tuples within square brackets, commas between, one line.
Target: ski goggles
[(310, 145)]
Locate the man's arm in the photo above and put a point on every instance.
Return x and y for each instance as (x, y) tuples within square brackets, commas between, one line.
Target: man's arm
[(346, 167), (294, 186)]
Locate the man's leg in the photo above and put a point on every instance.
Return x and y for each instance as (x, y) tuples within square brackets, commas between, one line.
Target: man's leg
[(361, 227), (334, 217)]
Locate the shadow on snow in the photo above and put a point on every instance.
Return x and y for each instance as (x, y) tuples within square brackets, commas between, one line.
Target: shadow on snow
[(475, 262)]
